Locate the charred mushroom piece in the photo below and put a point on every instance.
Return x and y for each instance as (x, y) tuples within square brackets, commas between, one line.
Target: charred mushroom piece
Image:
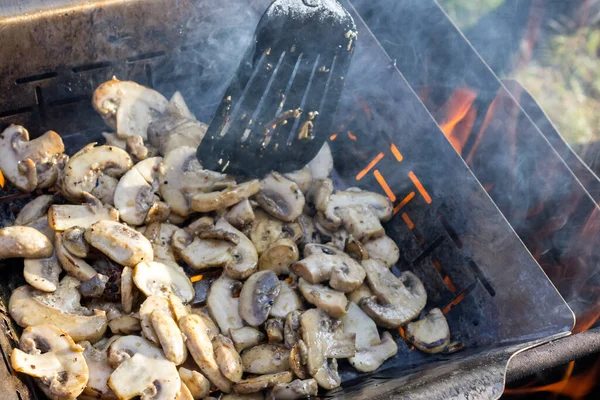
[(29, 164), (35, 209), (371, 351), (181, 177), (205, 202), (95, 170), (287, 301), (54, 359), (322, 165), (257, 296), (274, 329), (280, 197), (24, 242), (253, 385), (240, 214), (62, 308), (322, 263), (291, 329), (197, 384), (297, 389), (127, 107), (279, 256), (430, 334), (357, 295), (145, 377), (96, 359), (332, 301), (244, 254), (396, 300), (199, 344), (228, 359), (119, 242), (74, 266), (202, 254), (42, 273), (246, 337), (125, 347), (266, 359), (135, 194), (169, 336), (223, 305), (302, 177), (65, 216), (266, 230), (383, 249), (379, 205), (149, 305), (154, 278)]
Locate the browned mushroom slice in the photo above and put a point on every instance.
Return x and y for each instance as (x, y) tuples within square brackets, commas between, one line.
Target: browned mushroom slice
[(244, 254), (149, 305), (261, 382), (169, 336), (383, 249), (196, 383), (24, 242), (280, 197), (246, 337), (119, 242), (302, 177), (291, 329), (36, 208), (74, 266), (266, 359), (266, 230), (318, 195), (356, 249), (332, 301), (125, 325), (298, 360), (223, 305), (396, 300), (228, 359), (322, 165), (430, 334), (287, 301), (202, 254), (29, 164), (240, 214), (205, 202), (279, 256), (274, 329), (257, 296), (297, 389), (380, 205), (42, 273)]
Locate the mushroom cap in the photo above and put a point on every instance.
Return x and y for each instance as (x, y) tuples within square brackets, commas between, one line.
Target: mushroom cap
[(430, 334), (125, 347), (154, 278), (119, 242), (279, 256), (257, 296), (383, 249), (42, 273), (36, 208), (30, 307), (287, 301), (95, 170), (222, 304), (266, 359), (380, 205), (330, 300), (280, 197), (25, 242), (246, 337), (244, 254), (50, 355)]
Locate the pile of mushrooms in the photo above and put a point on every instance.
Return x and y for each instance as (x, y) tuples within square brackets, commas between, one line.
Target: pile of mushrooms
[(150, 276)]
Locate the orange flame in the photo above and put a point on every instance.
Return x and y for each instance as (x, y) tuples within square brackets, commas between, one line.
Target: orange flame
[(458, 117)]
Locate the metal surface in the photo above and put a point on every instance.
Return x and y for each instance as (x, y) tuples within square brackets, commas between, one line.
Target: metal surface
[(450, 232)]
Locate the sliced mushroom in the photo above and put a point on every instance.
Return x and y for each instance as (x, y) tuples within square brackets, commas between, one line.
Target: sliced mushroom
[(302, 177), (240, 214), (199, 344), (279, 256), (297, 389), (287, 301), (136, 147), (42, 273), (64, 216), (211, 326), (371, 351), (430, 334), (253, 385), (244, 254), (41, 224), (356, 249), (149, 305), (62, 308), (124, 324), (24, 242), (357, 295), (145, 377), (127, 107), (112, 139), (280, 197), (291, 329), (169, 336), (154, 278), (178, 108), (95, 170), (266, 359), (119, 242), (36, 208), (54, 359), (361, 223), (228, 359), (197, 384), (160, 235), (396, 300), (322, 165), (336, 237), (177, 308), (383, 249), (236, 396), (29, 164), (223, 305), (318, 195), (94, 287), (332, 301), (96, 359), (246, 337), (135, 193), (274, 329), (380, 205), (257, 296), (322, 263), (202, 254), (205, 202), (266, 230), (75, 266), (74, 242), (125, 347), (309, 231), (298, 360), (128, 292), (181, 177)]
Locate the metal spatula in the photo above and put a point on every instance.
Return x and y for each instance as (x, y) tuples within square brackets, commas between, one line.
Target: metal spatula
[(278, 109)]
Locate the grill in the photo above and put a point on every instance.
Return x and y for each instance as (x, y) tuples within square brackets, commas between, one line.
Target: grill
[(497, 299)]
